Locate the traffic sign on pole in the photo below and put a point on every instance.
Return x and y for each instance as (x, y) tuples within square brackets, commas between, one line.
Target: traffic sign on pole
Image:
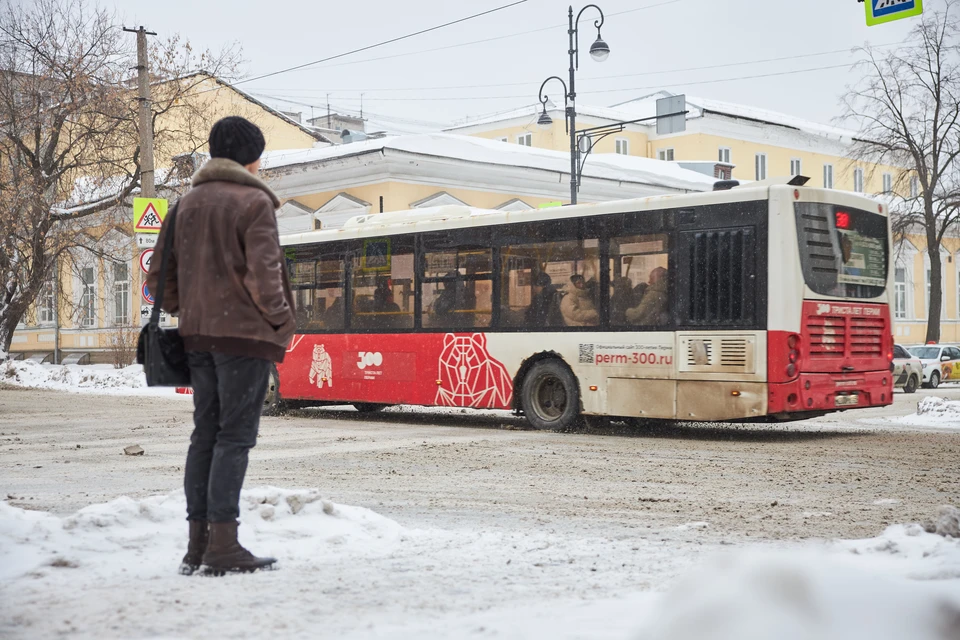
[(145, 240), (881, 11), (148, 214), (145, 292), (145, 256)]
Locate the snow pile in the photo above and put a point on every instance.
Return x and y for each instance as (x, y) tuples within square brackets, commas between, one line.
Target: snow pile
[(934, 406), (938, 413), (946, 522), (802, 596), (76, 378), (143, 537)]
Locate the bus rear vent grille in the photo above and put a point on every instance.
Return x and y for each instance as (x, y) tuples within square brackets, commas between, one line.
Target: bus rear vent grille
[(828, 336), (733, 353), (866, 337)]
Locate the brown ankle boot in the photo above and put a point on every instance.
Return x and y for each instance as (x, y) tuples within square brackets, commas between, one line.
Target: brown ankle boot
[(225, 555), (195, 547)]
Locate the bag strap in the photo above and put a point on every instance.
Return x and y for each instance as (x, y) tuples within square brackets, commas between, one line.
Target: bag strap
[(164, 262)]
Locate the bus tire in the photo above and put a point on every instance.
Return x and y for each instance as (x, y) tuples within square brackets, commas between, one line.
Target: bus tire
[(368, 407), (912, 383), (934, 380), (273, 403), (549, 397)]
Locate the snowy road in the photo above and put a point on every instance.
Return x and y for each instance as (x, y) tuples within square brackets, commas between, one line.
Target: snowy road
[(480, 529)]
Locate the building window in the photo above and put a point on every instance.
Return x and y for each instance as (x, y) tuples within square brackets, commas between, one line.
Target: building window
[(794, 166), (760, 165), (828, 176), (525, 139), (724, 155), (900, 293), (887, 183), (121, 293), (503, 139), (88, 297), (914, 187), (665, 154), (623, 148), (45, 302), (858, 180)]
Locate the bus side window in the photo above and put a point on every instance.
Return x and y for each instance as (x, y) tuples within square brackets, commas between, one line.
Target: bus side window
[(550, 284), (317, 284), (383, 296), (457, 288), (639, 281)]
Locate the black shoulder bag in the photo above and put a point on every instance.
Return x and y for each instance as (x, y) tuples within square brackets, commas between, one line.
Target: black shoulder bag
[(161, 351)]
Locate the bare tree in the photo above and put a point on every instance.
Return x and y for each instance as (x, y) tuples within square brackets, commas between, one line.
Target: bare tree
[(69, 147), (908, 110)]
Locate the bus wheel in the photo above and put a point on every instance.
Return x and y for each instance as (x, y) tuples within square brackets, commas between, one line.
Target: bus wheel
[(912, 383), (368, 407), (549, 396), (273, 404)]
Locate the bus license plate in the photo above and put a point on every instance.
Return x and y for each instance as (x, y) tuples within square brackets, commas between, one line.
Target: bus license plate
[(847, 401)]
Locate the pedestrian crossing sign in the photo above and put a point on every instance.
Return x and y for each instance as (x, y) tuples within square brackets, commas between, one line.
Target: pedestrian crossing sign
[(881, 11), (148, 214)]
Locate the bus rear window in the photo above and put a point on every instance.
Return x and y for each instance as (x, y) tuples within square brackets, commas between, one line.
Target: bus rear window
[(843, 251)]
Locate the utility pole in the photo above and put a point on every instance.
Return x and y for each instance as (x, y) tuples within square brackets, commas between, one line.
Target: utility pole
[(147, 182), (328, 111)]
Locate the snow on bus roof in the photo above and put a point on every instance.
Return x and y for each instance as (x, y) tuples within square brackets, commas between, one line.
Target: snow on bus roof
[(609, 166)]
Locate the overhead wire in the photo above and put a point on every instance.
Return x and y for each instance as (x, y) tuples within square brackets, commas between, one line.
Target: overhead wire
[(598, 91), (484, 40), (383, 42), (584, 79)]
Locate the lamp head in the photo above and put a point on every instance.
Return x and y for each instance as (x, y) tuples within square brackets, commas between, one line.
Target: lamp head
[(599, 50)]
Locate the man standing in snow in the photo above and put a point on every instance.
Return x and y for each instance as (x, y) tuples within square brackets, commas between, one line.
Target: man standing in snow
[(227, 282)]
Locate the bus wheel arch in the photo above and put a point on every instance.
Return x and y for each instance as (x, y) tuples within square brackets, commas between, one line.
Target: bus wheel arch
[(547, 392)]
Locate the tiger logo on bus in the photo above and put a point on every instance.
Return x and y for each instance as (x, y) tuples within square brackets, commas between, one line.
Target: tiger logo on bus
[(469, 376)]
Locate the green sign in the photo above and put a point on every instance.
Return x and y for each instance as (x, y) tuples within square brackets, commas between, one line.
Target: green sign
[(548, 205), (881, 11)]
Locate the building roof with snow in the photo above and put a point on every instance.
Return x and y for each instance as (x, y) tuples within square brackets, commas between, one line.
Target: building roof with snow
[(626, 170)]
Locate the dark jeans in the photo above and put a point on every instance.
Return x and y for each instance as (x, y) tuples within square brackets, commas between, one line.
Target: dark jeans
[(228, 393)]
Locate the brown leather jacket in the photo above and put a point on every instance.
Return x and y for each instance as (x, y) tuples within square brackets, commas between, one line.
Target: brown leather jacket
[(226, 277)]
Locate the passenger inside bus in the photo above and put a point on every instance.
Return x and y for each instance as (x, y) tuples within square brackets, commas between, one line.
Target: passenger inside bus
[(333, 316), (622, 298), (578, 306), (544, 309), (448, 308), (652, 309)]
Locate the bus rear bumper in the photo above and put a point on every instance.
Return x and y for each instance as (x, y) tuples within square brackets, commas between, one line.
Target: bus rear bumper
[(831, 392)]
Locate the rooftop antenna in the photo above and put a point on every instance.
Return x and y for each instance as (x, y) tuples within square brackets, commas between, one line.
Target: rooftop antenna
[(361, 106)]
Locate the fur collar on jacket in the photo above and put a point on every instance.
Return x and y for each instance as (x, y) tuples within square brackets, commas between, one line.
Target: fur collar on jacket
[(226, 170)]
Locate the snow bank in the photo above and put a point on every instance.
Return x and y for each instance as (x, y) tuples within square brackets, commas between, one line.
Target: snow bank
[(934, 412), (77, 378), (801, 596), (144, 536)]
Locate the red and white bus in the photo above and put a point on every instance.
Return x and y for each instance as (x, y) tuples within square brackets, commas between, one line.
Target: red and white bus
[(758, 301)]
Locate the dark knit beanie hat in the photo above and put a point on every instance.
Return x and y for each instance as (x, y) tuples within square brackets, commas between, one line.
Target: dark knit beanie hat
[(237, 139)]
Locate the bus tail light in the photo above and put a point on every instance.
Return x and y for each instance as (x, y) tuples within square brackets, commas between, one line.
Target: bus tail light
[(793, 356)]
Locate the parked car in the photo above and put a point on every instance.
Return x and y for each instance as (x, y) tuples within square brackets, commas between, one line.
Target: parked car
[(941, 362), (907, 369)]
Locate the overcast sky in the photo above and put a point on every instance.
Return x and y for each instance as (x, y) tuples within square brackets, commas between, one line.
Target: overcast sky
[(651, 42)]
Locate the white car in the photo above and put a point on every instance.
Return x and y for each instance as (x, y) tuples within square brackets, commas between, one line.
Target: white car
[(940, 363), (907, 369)]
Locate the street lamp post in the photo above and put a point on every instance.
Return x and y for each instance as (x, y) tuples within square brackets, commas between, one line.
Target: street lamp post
[(599, 51)]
